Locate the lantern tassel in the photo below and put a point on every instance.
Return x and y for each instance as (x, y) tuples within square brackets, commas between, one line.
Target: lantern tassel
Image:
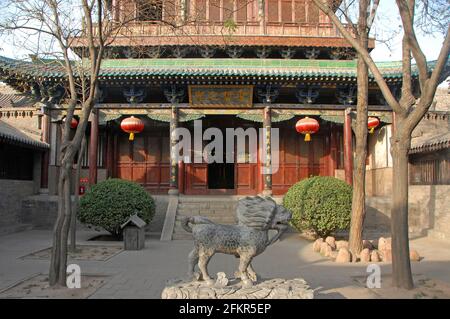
[(372, 130), (131, 137), (307, 137)]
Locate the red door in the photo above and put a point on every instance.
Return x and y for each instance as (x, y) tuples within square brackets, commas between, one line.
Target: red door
[(299, 159), (196, 179), (196, 175), (146, 160), (246, 172)]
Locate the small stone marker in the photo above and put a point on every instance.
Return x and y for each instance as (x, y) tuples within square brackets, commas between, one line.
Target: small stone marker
[(134, 233)]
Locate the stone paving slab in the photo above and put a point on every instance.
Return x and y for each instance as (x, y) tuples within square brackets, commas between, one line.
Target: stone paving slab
[(144, 274)]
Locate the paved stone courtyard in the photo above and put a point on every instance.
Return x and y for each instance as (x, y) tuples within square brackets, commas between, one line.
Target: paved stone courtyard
[(143, 274)]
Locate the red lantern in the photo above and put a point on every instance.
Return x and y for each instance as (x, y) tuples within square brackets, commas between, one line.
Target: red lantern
[(307, 126), (372, 124), (132, 125), (73, 123)]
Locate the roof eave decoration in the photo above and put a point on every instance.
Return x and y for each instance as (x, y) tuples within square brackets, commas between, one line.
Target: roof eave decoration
[(23, 142), (430, 147), (142, 69), (12, 135)]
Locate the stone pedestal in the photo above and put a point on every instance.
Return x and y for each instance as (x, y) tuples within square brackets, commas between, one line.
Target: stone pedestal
[(268, 289)]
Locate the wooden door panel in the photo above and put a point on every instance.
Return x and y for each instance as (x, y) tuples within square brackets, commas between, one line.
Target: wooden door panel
[(144, 160), (290, 175), (153, 149), (165, 175), (196, 179), (124, 172), (299, 159), (153, 175), (139, 174), (246, 177), (123, 149)]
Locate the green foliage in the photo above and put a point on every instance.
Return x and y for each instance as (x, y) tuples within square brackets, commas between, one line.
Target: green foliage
[(109, 203), (230, 25), (322, 204)]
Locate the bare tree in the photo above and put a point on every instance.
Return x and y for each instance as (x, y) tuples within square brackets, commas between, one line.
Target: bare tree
[(366, 14), (55, 20), (55, 27), (408, 110)]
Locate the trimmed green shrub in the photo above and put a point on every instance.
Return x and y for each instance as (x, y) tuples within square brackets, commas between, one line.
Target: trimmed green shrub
[(109, 203), (321, 203)]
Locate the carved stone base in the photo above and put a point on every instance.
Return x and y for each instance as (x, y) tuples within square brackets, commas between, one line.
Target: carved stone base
[(268, 289)]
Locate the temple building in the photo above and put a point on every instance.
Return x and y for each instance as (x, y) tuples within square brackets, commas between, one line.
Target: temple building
[(229, 64)]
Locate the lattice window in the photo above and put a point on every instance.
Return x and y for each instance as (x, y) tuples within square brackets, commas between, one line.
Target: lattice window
[(424, 170)]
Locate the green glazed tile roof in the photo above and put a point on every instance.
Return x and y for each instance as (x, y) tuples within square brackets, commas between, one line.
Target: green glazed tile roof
[(279, 68)]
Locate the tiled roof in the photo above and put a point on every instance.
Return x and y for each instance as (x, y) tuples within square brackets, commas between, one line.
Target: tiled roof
[(138, 68), (12, 135), (11, 98), (430, 143)]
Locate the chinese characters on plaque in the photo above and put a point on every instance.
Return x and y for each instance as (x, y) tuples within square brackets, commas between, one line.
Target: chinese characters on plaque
[(212, 95)]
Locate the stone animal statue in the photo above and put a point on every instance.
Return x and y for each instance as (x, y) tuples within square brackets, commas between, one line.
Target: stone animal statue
[(256, 216)]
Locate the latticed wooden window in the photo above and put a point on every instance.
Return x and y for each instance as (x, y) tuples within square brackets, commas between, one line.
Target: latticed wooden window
[(431, 169), (300, 11), (149, 10), (286, 10), (273, 11), (199, 9), (241, 7), (214, 10)]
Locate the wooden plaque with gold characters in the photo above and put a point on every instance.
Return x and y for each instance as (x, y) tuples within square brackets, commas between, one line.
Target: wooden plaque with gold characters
[(234, 96)]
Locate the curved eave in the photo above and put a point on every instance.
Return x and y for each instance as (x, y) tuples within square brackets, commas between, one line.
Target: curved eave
[(23, 142), (431, 147), (207, 69)]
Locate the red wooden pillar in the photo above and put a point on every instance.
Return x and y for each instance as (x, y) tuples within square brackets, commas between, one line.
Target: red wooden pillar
[(348, 150), (93, 147), (109, 153), (333, 151), (181, 176), (45, 124)]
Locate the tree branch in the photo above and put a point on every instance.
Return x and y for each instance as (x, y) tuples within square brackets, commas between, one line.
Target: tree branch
[(391, 100), (430, 86), (407, 13)]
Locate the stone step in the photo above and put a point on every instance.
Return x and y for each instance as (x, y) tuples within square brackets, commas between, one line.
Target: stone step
[(211, 217), (176, 236), (220, 210), (206, 208)]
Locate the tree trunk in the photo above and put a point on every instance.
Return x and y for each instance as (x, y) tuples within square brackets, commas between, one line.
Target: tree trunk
[(58, 262), (401, 265), (359, 176), (55, 257), (76, 204)]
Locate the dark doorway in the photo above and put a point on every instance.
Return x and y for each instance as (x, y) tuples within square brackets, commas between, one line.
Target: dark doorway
[(221, 176)]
